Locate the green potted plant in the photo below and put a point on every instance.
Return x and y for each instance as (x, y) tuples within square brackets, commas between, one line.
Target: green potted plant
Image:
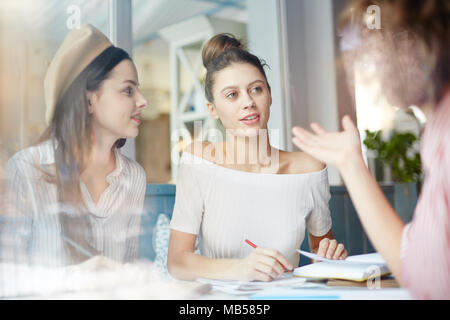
[(394, 153), (406, 168)]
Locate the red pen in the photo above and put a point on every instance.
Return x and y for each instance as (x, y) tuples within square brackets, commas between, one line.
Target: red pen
[(254, 246), (251, 243)]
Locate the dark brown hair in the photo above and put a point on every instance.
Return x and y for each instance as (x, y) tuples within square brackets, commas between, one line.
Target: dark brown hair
[(221, 51), (70, 132), (427, 22), (70, 128)]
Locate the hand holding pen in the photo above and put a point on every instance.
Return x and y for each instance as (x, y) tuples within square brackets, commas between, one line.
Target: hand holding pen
[(263, 264)]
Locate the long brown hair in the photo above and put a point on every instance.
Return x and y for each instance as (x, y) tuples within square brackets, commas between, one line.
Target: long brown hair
[(70, 128), (70, 132)]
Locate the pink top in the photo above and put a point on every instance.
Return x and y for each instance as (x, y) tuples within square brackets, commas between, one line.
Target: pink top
[(425, 248)]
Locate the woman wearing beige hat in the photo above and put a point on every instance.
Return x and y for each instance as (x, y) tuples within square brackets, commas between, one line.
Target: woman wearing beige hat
[(79, 195)]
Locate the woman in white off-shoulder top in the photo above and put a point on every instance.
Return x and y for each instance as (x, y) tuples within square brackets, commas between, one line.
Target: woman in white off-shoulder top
[(243, 188)]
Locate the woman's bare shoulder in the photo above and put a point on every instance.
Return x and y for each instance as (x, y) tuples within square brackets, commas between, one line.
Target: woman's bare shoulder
[(301, 162)]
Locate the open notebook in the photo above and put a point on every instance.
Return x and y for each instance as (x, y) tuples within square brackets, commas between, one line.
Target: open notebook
[(355, 268)]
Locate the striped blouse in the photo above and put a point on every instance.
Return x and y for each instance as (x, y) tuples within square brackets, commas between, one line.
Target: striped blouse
[(35, 234), (425, 248)]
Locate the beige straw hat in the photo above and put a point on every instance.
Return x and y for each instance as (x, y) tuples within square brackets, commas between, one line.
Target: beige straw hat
[(80, 47)]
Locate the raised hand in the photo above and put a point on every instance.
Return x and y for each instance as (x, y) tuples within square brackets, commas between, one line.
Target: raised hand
[(335, 148)]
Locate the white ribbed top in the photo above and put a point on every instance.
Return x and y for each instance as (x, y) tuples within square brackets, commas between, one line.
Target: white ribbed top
[(115, 219), (227, 206)]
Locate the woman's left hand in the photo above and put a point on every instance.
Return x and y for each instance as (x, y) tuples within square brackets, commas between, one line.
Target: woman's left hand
[(331, 249)]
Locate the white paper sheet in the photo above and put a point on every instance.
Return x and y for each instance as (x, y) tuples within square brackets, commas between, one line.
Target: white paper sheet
[(371, 258), (245, 287)]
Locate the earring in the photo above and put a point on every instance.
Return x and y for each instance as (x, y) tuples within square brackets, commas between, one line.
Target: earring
[(90, 106)]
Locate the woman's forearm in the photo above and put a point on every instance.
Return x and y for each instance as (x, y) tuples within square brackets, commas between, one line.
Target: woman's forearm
[(382, 224), (189, 266)]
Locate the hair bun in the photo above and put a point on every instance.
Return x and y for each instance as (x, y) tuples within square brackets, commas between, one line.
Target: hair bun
[(218, 44)]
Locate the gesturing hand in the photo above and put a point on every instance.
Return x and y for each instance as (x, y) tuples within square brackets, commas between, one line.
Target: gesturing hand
[(335, 148)]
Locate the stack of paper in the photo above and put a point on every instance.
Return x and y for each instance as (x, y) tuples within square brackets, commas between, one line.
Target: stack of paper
[(248, 287), (355, 268)]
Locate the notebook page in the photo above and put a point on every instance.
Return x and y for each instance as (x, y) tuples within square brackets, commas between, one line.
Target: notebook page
[(371, 258)]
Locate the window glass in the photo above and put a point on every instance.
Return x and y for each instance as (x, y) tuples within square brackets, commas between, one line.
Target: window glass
[(166, 59), (30, 34)]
